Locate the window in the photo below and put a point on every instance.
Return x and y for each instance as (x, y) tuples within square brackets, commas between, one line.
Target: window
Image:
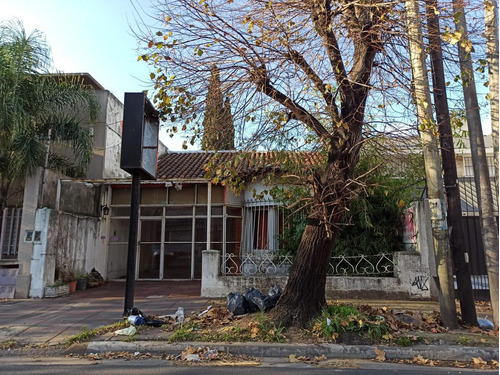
[(262, 224), (469, 169)]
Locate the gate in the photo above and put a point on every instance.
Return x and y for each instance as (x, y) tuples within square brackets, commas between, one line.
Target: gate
[(472, 231)]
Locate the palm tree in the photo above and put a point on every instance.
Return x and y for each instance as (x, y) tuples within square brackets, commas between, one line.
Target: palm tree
[(32, 101)]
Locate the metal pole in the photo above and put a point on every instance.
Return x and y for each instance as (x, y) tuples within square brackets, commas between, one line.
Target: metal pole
[(132, 242)]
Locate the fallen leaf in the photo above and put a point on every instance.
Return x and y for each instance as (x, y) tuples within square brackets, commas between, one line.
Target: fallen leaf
[(380, 354), (292, 358), (478, 361), (254, 332)]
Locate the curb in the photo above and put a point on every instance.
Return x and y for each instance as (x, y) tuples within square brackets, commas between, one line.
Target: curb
[(433, 352)]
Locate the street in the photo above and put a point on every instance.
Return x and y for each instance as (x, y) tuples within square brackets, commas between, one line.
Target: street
[(60, 365)]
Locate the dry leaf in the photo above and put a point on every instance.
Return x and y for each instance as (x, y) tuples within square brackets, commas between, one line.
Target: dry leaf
[(478, 361), (292, 358), (420, 360), (380, 354), (254, 332)]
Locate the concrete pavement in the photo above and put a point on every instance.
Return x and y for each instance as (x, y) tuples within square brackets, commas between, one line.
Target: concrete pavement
[(52, 321), (48, 322)]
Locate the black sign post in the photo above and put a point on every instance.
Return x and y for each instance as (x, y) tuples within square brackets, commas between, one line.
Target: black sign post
[(139, 157)]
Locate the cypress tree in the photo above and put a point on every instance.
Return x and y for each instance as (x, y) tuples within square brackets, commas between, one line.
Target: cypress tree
[(218, 127)]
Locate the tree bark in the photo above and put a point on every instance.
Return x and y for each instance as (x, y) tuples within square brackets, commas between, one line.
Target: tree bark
[(454, 217), (304, 295), (489, 228), (432, 167)]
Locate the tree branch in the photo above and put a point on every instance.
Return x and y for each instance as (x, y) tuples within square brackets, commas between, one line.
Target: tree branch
[(299, 60), (322, 14), (261, 80)]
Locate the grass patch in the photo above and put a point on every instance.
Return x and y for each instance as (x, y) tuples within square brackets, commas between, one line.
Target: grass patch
[(86, 333), (268, 329), (185, 332), (260, 328), (407, 340), (462, 340), (8, 344), (339, 318)]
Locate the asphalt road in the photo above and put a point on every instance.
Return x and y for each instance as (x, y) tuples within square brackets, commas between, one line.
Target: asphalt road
[(58, 365)]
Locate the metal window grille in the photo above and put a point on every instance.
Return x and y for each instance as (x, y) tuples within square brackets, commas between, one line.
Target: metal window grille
[(9, 235), (469, 170)]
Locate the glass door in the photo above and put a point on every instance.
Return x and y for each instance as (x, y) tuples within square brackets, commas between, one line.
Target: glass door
[(150, 249), (178, 248)]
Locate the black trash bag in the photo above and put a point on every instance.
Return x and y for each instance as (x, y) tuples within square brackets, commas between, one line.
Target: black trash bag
[(154, 323), (268, 301), (136, 311), (275, 291), (274, 295), (252, 295), (236, 303)]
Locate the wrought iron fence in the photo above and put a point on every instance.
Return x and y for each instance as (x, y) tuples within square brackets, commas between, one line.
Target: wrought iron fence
[(270, 264)]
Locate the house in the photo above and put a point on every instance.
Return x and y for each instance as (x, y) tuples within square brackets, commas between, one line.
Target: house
[(183, 213), (20, 216)]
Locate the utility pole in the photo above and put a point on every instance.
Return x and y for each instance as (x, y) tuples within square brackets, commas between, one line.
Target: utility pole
[(489, 228), (455, 222), (432, 167)]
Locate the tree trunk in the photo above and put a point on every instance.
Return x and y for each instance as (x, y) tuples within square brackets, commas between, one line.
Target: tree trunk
[(491, 24), (489, 228), (455, 223), (432, 167), (304, 295)]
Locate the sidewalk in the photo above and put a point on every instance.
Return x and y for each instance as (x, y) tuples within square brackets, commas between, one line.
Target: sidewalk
[(52, 321), (48, 322)]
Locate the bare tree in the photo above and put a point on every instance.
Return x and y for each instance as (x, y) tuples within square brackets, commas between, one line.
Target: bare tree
[(304, 66)]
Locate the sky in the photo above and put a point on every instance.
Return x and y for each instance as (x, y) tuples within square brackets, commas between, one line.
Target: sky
[(90, 36), (95, 37)]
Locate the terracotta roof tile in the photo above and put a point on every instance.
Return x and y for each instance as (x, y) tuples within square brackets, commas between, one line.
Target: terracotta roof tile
[(192, 164)]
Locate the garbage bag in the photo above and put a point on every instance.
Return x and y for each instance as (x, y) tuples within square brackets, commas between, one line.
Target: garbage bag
[(268, 301), (154, 323), (485, 324), (275, 291), (252, 295), (136, 320), (274, 294), (135, 311), (236, 303)]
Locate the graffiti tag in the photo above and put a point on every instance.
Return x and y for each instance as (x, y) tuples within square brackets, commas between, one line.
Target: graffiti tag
[(420, 282)]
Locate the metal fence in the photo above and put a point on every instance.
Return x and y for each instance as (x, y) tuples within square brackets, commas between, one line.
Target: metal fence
[(10, 224), (271, 264), (472, 230)]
